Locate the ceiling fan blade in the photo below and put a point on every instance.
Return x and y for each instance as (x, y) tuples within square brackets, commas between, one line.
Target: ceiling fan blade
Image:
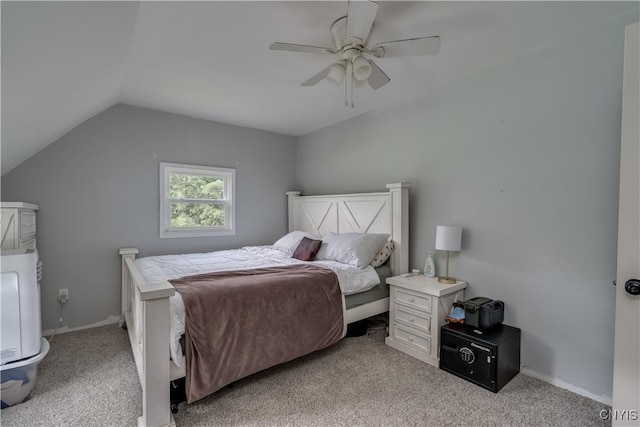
[(360, 16), (378, 78), (300, 48), (409, 47), (316, 77)]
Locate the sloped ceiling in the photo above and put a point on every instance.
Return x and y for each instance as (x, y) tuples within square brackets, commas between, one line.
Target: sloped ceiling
[(64, 62)]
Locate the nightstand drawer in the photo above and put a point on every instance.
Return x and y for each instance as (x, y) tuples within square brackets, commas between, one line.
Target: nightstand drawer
[(411, 338), (412, 299), (417, 319)]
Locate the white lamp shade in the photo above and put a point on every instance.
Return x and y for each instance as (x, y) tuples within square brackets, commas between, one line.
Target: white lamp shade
[(361, 68), (336, 73), (448, 238)]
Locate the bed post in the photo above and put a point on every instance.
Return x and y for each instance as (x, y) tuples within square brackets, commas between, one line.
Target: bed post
[(148, 335), (155, 354), (126, 253), (291, 195), (400, 226)]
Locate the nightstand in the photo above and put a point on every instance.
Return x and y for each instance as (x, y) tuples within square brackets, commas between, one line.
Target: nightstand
[(417, 308)]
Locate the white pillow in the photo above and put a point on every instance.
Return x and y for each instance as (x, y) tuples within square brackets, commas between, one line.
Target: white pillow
[(289, 242), (351, 248)]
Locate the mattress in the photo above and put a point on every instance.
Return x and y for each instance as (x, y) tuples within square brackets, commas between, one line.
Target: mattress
[(352, 279), (376, 293)]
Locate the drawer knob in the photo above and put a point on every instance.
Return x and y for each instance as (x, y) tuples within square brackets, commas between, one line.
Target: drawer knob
[(411, 339), (412, 300), (412, 320)]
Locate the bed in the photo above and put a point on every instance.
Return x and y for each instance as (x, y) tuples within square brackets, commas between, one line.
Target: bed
[(147, 301)]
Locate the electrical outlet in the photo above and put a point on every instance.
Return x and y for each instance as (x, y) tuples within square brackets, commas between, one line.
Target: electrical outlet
[(63, 295)]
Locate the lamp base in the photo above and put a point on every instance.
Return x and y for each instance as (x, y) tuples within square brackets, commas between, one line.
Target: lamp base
[(447, 280)]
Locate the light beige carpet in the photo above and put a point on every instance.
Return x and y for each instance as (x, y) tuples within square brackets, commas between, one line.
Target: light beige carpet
[(89, 379)]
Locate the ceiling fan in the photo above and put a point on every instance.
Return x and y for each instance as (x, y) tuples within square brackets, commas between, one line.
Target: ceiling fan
[(350, 34)]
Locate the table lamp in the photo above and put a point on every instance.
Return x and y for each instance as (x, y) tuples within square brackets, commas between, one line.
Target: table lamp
[(448, 239)]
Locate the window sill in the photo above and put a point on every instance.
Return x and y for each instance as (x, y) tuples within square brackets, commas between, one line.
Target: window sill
[(170, 234)]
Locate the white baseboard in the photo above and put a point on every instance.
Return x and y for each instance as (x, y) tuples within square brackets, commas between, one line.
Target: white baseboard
[(110, 320), (606, 399)]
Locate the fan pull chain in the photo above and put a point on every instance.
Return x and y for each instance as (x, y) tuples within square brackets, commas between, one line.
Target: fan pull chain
[(348, 85), (352, 105), (346, 103)]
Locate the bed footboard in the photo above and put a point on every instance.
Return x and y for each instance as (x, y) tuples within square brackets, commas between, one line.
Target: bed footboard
[(145, 309)]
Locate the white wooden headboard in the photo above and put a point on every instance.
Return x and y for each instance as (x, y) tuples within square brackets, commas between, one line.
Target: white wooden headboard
[(385, 212)]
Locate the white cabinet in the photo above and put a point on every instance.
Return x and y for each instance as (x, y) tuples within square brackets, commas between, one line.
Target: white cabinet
[(18, 225), (417, 309)]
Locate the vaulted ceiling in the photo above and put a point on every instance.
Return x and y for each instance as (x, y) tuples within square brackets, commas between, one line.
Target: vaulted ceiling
[(64, 62)]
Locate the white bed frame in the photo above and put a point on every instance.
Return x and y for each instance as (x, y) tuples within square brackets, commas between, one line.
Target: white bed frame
[(145, 306)]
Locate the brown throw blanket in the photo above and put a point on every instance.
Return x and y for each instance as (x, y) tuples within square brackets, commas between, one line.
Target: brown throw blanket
[(241, 322)]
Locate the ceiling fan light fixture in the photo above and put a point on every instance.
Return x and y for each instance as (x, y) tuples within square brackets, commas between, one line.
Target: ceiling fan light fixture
[(350, 34), (361, 68), (336, 73)]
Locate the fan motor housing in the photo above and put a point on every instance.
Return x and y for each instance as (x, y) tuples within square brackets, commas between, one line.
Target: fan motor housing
[(351, 53)]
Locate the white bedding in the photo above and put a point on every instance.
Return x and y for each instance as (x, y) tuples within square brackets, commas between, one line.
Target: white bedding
[(167, 267)]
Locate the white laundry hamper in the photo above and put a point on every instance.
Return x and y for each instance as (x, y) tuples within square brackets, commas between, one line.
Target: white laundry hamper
[(18, 379), (22, 344)]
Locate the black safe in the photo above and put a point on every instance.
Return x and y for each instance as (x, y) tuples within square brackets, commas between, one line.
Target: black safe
[(489, 358)]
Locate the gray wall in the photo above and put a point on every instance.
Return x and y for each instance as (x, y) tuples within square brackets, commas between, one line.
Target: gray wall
[(525, 157), (97, 188)]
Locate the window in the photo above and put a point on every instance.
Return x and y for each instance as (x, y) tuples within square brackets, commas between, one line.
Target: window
[(196, 201)]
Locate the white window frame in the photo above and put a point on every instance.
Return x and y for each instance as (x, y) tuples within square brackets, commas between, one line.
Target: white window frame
[(229, 178)]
